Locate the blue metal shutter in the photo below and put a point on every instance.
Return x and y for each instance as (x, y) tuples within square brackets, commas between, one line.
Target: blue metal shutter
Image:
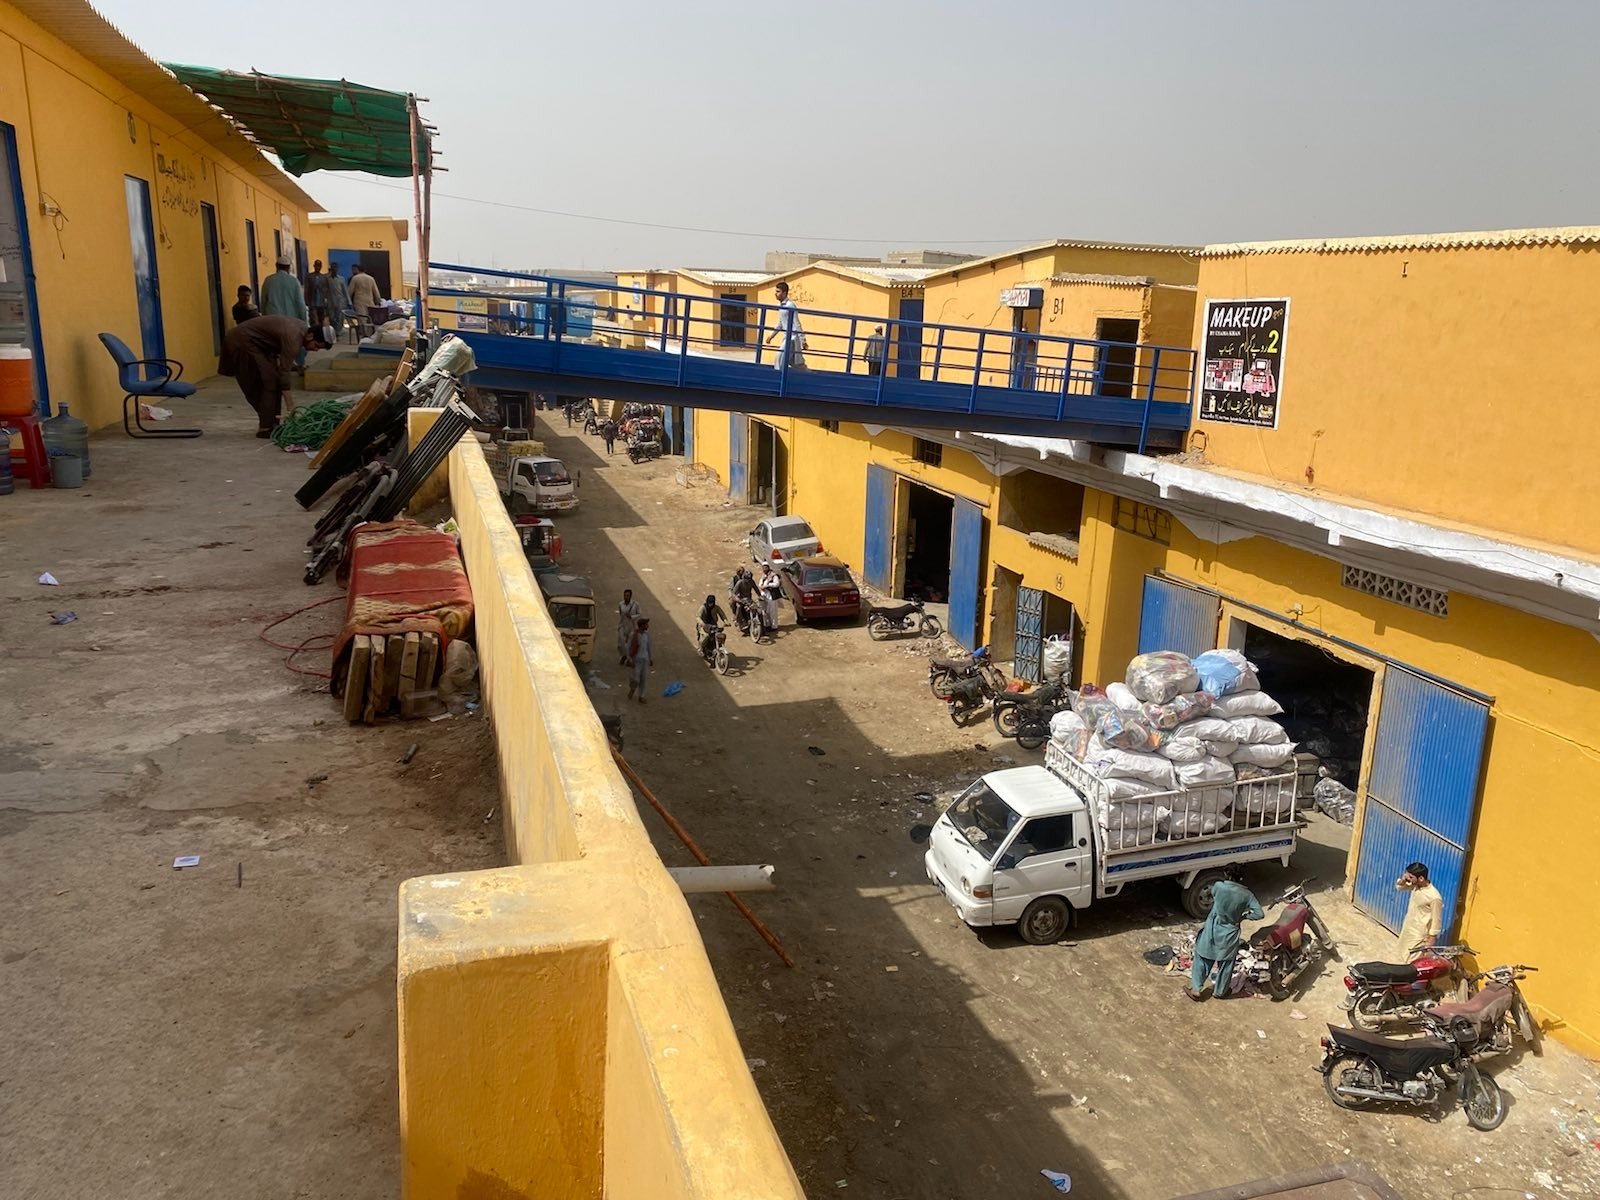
[(688, 433), (1028, 654), (738, 457), (966, 573), (1422, 794), (878, 545), (1174, 617)]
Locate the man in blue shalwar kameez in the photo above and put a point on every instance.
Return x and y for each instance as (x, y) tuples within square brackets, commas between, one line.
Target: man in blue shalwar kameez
[(1218, 943)]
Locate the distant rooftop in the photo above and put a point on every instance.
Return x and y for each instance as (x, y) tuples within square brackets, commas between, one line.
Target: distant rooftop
[(1561, 235)]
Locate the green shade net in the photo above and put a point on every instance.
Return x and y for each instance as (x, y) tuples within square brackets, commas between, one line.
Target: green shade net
[(315, 124)]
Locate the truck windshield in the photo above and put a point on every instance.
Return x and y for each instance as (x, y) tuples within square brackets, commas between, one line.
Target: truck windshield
[(552, 473), (982, 818)]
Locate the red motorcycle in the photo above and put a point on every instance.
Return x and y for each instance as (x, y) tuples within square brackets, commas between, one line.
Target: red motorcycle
[(1381, 993), (1498, 1014), (1281, 952)]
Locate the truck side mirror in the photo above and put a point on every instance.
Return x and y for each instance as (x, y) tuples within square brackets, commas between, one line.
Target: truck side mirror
[(1007, 862)]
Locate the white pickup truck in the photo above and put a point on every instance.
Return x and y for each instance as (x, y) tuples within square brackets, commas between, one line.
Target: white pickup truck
[(538, 484), (1032, 845)]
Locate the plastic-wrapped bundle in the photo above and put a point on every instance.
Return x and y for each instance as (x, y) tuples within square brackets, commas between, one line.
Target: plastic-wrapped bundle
[(1224, 671), (1160, 675), (1183, 749), (1263, 754), (1245, 704), (1126, 836), (1130, 822), (1332, 797), (1253, 731), (1274, 799), (1192, 824), (1220, 747), (1120, 788), (1122, 696), (1108, 762), (1057, 659), (1091, 703), (1177, 711), (1117, 728), (1207, 729), (1206, 772), (1067, 730)]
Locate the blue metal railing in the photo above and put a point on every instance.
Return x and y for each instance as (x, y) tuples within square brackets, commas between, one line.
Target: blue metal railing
[(981, 362)]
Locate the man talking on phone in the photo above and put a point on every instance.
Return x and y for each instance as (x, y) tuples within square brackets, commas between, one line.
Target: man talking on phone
[(1424, 914)]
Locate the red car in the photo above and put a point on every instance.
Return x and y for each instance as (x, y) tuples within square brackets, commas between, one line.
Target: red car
[(819, 585)]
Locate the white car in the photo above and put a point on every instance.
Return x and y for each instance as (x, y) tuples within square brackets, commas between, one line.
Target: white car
[(783, 539)]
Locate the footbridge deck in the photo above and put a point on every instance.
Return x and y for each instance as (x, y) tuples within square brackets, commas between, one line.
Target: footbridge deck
[(542, 333)]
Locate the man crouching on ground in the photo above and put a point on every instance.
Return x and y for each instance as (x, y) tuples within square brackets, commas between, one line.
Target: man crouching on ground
[(260, 354)]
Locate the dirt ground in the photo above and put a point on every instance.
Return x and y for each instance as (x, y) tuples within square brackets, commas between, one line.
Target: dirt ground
[(229, 1029), (906, 1056)]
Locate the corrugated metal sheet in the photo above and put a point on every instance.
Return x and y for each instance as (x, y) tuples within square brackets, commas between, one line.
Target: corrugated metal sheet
[(1139, 281), (103, 44), (878, 548), (1422, 797), (966, 573), (1429, 754), (738, 457), (1389, 842), (1174, 617), (1563, 235)]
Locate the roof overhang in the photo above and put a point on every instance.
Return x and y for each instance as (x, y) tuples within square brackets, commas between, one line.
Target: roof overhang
[(1548, 582)]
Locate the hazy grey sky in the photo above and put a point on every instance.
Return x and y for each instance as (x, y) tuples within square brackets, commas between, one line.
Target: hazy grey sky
[(941, 123)]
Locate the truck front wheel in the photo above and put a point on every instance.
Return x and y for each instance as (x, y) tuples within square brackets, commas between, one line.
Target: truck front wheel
[(1045, 921), (1197, 896)]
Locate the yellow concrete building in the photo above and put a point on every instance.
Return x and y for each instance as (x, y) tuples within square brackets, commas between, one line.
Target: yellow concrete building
[(127, 205), (1361, 510), (373, 242)]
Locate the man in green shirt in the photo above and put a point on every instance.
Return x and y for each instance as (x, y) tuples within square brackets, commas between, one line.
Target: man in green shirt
[(281, 294), (1218, 943)]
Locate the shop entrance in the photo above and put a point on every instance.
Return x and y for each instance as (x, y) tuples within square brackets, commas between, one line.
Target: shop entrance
[(925, 567), (1327, 701), (769, 468)]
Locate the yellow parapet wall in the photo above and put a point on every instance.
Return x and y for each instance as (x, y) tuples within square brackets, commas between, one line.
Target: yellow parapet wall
[(561, 1032)]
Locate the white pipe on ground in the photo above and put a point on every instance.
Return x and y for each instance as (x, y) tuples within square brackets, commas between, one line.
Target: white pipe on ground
[(694, 881)]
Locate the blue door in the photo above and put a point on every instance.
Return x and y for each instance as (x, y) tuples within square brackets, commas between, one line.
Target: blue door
[(250, 250), (19, 306), (738, 457), (1422, 796), (966, 574), (878, 547), (688, 433), (1028, 653), (1174, 617), (146, 278), (908, 339)]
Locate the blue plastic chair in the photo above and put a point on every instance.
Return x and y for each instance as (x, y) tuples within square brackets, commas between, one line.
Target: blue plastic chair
[(137, 387)]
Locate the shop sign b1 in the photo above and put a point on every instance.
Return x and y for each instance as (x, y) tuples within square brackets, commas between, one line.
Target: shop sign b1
[(1241, 361)]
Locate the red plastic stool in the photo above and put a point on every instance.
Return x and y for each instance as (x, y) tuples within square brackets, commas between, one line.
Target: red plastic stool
[(35, 463)]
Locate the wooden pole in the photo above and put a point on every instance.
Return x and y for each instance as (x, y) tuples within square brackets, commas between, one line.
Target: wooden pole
[(632, 777), (416, 212)]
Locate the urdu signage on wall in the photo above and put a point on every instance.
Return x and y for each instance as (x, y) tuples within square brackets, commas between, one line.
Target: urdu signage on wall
[(1241, 368)]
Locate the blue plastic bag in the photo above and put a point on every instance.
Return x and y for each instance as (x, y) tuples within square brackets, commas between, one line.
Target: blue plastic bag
[(1225, 671)]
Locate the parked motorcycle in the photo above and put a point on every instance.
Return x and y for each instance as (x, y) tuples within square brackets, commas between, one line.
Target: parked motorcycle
[(1383, 993), (886, 619), (944, 672), (1026, 716), (1283, 951), (1497, 1013), (644, 450), (971, 692), (1359, 1068)]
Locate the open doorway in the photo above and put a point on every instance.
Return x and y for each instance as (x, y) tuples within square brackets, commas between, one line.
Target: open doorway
[(1115, 363), (769, 484), (1004, 644), (1326, 701), (1060, 624), (926, 567)]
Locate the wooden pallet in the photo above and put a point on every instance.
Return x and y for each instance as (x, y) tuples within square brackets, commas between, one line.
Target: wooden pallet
[(389, 676)]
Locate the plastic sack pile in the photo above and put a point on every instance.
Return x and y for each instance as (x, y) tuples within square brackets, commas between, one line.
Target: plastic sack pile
[(1170, 742)]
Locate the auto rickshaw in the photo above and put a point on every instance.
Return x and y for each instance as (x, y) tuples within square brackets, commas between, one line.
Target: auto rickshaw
[(570, 600), (541, 544)]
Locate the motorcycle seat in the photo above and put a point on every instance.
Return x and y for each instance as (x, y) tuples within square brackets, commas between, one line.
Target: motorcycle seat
[(1382, 972), (895, 612), (1402, 1057), (1481, 1011), (952, 665)]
